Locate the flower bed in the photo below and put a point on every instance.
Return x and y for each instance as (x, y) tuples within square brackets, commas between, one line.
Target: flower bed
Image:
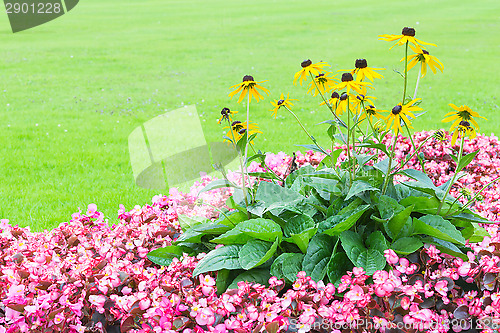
[(85, 276)]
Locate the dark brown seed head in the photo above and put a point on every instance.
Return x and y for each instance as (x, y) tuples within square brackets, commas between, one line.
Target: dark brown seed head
[(360, 97), (343, 97), (408, 32), (335, 95), (242, 131), (225, 111), (236, 122), (361, 63), (347, 77), (281, 102), (397, 109), (464, 123), (425, 52), (306, 63), (248, 78), (320, 75)]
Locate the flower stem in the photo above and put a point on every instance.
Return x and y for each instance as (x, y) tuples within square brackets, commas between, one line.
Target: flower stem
[(406, 73), (348, 140), (478, 193), (387, 175), (309, 135), (460, 153), (268, 168), (414, 148), (418, 80), (243, 188), (413, 154)]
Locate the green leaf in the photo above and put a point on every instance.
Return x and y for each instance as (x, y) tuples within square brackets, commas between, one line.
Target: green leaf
[(222, 280), (335, 155), (272, 194), (422, 183), (352, 244), (388, 207), (302, 239), (264, 175), (277, 266), (292, 264), (223, 257), (259, 228), (331, 132), (376, 240), (360, 186), (479, 234), (258, 275), (382, 166), (466, 159), (371, 260), (436, 226), (164, 255), (317, 256), (424, 205), (302, 171), (314, 148), (210, 228), (372, 144), (187, 222), (335, 225), (445, 247), (232, 218), (407, 245), (189, 236), (337, 267), (219, 183), (297, 224), (471, 217), (256, 252), (398, 221)]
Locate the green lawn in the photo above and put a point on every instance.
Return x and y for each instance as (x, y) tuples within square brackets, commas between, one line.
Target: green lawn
[(72, 90)]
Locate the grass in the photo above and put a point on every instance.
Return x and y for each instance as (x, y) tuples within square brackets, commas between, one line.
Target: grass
[(75, 88)]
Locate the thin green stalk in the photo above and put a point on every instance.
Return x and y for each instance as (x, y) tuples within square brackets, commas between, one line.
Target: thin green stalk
[(406, 73), (418, 80), (414, 148), (387, 175), (460, 153), (415, 152), (348, 139), (309, 135), (478, 193), (268, 168), (219, 210), (370, 122), (453, 203)]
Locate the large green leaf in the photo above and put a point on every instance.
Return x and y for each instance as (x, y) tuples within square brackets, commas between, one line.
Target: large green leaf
[(263, 229), (210, 228), (292, 265), (269, 194), (232, 218), (257, 275), (223, 257), (376, 240), (337, 267), (189, 236), (407, 245), (164, 255), (277, 266), (424, 205), (388, 207), (335, 225), (397, 222), (352, 244), (423, 183), (304, 170), (436, 226), (317, 256), (187, 222), (297, 224), (222, 281), (445, 247), (372, 144), (478, 234), (256, 252), (466, 159), (371, 260), (360, 186), (302, 239)]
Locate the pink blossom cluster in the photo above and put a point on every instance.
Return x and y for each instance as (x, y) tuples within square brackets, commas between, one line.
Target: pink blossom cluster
[(86, 276)]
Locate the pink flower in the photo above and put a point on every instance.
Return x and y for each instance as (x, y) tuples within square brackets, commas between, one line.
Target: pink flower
[(391, 256), (205, 317)]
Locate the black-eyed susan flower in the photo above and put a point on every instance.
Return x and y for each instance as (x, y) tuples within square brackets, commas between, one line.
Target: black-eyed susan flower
[(308, 67), (407, 36), (359, 100), (348, 83), (439, 135), (463, 128), (401, 113), (333, 100), (238, 129), (250, 86), (282, 102), (322, 83), (463, 113), (226, 114), (425, 60), (362, 71), (343, 104), (369, 112)]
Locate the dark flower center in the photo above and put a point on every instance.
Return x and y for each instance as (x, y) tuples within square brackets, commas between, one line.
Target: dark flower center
[(360, 97), (464, 123), (242, 131), (236, 122), (343, 97), (425, 52), (281, 102), (320, 75), (306, 63), (408, 32), (370, 109), (225, 111), (347, 77), (248, 78), (361, 63), (335, 94), (397, 109)]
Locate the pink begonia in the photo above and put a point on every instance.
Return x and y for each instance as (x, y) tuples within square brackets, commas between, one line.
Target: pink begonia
[(391, 256)]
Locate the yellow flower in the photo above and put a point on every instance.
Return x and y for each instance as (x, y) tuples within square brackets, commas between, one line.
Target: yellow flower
[(348, 83), (248, 86), (363, 71), (407, 36), (463, 128), (342, 104), (360, 100), (463, 113), (401, 113), (226, 114), (425, 60), (370, 112), (308, 67), (323, 82), (238, 129), (286, 102)]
